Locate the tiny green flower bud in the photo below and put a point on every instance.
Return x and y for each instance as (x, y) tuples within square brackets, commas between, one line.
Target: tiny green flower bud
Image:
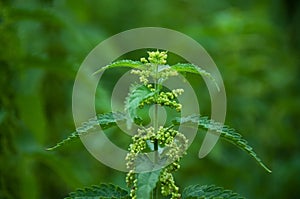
[(144, 60)]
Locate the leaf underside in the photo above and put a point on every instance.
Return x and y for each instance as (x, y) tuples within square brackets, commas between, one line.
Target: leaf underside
[(103, 191), (104, 120), (225, 132), (208, 192)]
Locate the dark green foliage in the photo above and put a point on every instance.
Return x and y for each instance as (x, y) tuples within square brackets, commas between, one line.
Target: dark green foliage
[(225, 132), (103, 191), (208, 192), (255, 45)]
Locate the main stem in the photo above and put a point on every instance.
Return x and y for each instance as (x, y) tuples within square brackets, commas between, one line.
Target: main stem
[(155, 123)]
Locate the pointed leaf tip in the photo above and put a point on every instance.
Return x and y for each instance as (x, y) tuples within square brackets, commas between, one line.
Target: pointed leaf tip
[(226, 133), (106, 120)]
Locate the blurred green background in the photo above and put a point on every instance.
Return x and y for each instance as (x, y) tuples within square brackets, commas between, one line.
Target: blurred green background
[(255, 44)]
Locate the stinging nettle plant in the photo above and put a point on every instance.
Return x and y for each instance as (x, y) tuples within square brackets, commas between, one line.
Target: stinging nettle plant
[(150, 176)]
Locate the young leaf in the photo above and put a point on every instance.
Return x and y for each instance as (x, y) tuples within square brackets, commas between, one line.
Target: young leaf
[(208, 192), (120, 64), (104, 120), (191, 68), (136, 94), (146, 182), (227, 133), (104, 191)]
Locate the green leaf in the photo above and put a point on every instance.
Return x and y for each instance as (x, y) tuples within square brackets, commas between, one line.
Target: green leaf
[(108, 120), (136, 94), (104, 120), (208, 192), (227, 133), (191, 68), (146, 182), (104, 191), (120, 64)]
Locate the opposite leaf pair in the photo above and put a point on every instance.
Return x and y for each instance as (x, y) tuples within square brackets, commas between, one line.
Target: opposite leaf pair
[(165, 142)]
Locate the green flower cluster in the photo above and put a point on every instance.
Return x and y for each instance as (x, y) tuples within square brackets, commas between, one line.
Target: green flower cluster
[(156, 57), (155, 68), (168, 186), (132, 182), (174, 146), (164, 99), (143, 75), (175, 151)]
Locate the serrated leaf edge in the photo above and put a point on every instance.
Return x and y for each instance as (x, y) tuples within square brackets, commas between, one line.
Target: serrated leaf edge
[(227, 133)]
